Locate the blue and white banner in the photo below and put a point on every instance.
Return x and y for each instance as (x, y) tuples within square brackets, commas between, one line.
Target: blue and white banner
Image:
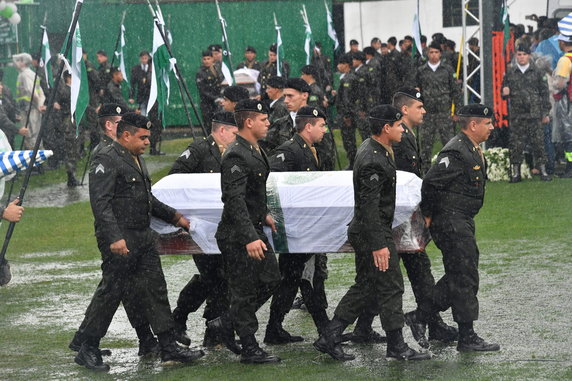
[(15, 161)]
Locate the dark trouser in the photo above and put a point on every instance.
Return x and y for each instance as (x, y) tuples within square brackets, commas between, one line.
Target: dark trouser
[(209, 286), (251, 282), (291, 268), (433, 124), (138, 277), (156, 129), (418, 268), (374, 291), (208, 110), (455, 237), (523, 130), (549, 148), (348, 125), (71, 144)]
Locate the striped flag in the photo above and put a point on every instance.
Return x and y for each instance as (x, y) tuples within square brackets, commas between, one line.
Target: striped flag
[(16, 161), (79, 85), (45, 59), (565, 25)]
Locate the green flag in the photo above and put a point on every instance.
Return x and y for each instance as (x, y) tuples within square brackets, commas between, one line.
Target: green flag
[(506, 26), (45, 59), (160, 87), (79, 85), (309, 40)]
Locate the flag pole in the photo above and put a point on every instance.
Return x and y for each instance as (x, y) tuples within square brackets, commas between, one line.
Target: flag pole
[(225, 38), (45, 119), (180, 80), (13, 180), (118, 38)]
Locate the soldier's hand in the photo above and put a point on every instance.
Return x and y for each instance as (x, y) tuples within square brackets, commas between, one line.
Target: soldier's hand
[(505, 91), (427, 222), (546, 119), (24, 131), (57, 106), (131, 101), (13, 211), (381, 259), (119, 247), (184, 223), (42, 108), (269, 221), (256, 249)]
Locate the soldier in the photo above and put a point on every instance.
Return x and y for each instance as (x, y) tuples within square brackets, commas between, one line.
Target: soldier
[(526, 87), (299, 154), (104, 71), (208, 84), (379, 283), (323, 65), (204, 156), (113, 93), (354, 46), (216, 50), (122, 204), (275, 102), (391, 79), (452, 194), (232, 95), (364, 92), (269, 68), (141, 82), (436, 82), (68, 128), (250, 264), (90, 122), (410, 102), (374, 64), (250, 61), (344, 98)]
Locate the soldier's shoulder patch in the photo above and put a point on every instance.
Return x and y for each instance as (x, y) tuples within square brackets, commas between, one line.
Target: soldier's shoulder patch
[(235, 168), (362, 79), (313, 98), (100, 169), (347, 84), (374, 177), (281, 156), (186, 153), (445, 161)]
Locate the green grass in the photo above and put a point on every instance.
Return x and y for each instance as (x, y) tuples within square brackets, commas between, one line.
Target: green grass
[(524, 238)]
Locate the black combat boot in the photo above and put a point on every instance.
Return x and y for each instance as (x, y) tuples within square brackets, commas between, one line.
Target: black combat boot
[(440, 331), (211, 339), (321, 320), (222, 327), (398, 350), (148, 344), (418, 328), (251, 352), (172, 353), (276, 334), (330, 341), (90, 357), (75, 344), (363, 333), (72, 181), (469, 341), (515, 173), (544, 176)]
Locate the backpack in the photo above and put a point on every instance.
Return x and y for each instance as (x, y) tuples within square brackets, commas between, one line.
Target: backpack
[(568, 89)]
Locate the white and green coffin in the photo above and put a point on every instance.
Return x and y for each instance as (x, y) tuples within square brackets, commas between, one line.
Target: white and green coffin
[(311, 210)]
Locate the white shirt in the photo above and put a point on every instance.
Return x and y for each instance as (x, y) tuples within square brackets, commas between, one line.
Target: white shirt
[(523, 68), (434, 67), (144, 67), (293, 116)]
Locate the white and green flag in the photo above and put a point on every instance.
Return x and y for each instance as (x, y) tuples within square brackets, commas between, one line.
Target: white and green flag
[(331, 31), (119, 54), (279, 48), (45, 59), (308, 41), (226, 53), (160, 86), (79, 85), (417, 36)]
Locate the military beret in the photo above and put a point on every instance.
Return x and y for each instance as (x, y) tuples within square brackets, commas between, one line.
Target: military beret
[(310, 112), (272, 48), (101, 53), (251, 105), (224, 117), (525, 48), (235, 93), (276, 82), (114, 69), (354, 42), (345, 59), (207, 53), (298, 84), (136, 120), (476, 110), (250, 49), (309, 70), (435, 45), (360, 56), (385, 113), (369, 50), (410, 92), (215, 48), (111, 109)]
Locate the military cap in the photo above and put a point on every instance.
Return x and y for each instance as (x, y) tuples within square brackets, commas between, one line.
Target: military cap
[(369, 50), (309, 70), (298, 84), (345, 59), (111, 109), (224, 117), (435, 45), (272, 48), (235, 93), (276, 82), (410, 92), (525, 48), (101, 53), (136, 120), (113, 70), (310, 112), (360, 56), (476, 110), (250, 49), (207, 53), (354, 42), (251, 105), (385, 113), (215, 48)]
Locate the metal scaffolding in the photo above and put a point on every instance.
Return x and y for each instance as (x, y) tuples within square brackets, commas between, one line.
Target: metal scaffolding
[(478, 32)]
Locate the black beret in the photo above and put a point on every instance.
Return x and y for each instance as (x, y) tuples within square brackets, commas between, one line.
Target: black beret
[(215, 48), (235, 93), (251, 105), (272, 48), (360, 56), (136, 120), (385, 113), (250, 49), (101, 53), (310, 112), (410, 92), (354, 42), (525, 48), (345, 59), (114, 69), (435, 45), (298, 84), (276, 82), (476, 110), (309, 70), (224, 117), (111, 109), (369, 50), (207, 53)]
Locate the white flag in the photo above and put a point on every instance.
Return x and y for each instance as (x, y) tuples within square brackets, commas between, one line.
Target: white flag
[(331, 30), (120, 55)]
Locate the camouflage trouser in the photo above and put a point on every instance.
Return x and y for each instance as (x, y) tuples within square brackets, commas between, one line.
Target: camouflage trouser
[(348, 125), (523, 131), (327, 152), (71, 145), (434, 124)]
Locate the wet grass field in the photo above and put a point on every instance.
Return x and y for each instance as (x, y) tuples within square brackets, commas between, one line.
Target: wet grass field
[(526, 298)]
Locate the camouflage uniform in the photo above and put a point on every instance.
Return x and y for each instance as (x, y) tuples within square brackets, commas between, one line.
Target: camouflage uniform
[(68, 128), (326, 147), (529, 103), (269, 70), (440, 91), (208, 84), (254, 64), (363, 98), (345, 118)]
